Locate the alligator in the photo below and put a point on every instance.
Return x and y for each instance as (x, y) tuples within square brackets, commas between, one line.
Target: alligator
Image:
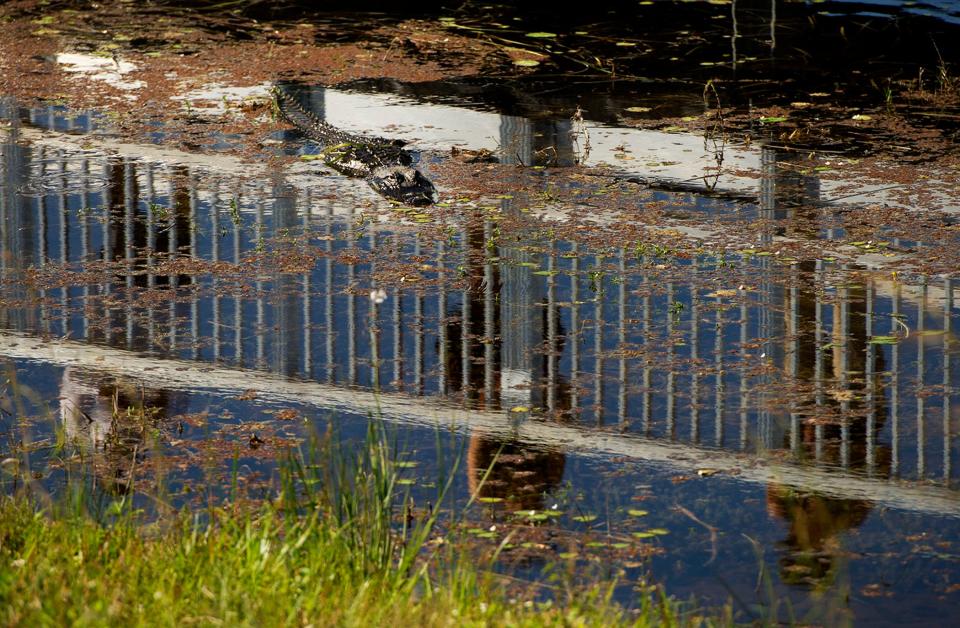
[(384, 163)]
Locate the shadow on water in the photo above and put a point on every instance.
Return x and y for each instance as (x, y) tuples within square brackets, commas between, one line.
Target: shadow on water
[(590, 372)]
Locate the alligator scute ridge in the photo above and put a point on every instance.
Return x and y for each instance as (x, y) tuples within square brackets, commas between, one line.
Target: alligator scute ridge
[(384, 163)]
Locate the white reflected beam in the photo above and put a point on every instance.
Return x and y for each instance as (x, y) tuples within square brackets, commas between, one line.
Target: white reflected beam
[(185, 375)]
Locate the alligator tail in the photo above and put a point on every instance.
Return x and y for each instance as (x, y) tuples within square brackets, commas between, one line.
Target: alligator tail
[(306, 122)]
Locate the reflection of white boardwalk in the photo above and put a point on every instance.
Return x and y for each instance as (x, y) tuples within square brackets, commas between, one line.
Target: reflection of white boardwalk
[(191, 376)]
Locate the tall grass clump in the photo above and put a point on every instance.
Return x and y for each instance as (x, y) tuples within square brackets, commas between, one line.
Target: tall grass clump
[(341, 545)]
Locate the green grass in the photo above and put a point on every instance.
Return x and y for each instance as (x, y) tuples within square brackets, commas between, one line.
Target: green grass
[(333, 549)]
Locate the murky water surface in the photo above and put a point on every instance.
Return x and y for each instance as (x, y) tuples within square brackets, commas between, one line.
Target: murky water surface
[(730, 423)]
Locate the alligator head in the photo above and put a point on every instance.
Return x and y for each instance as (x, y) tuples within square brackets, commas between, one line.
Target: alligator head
[(404, 184)]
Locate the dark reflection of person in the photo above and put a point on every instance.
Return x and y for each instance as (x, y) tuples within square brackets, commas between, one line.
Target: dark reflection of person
[(521, 476), (94, 414), (815, 521)]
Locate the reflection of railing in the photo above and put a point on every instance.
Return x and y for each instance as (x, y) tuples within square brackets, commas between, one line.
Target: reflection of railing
[(795, 361)]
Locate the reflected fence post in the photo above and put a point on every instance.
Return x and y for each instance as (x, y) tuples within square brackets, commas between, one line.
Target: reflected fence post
[(646, 377), (489, 321), (418, 330), (307, 290), (129, 194), (818, 368), (921, 378), (695, 355), (328, 295), (151, 227), (947, 372), (574, 333), (236, 203), (622, 343), (215, 258), (193, 253), (64, 241), (397, 312), (259, 329), (85, 254), (719, 392), (895, 386), (442, 318), (870, 382), (465, 324), (598, 320), (42, 240)]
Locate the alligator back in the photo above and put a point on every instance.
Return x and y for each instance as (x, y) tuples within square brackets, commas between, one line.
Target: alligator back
[(384, 163)]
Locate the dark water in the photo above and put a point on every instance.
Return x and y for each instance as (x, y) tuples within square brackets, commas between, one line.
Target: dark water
[(617, 374)]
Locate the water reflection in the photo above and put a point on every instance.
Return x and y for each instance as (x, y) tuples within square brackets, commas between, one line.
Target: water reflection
[(744, 354), (743, 357)]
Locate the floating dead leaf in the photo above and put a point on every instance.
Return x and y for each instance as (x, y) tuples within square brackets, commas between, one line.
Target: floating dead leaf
[(638, 109), (725, 292)]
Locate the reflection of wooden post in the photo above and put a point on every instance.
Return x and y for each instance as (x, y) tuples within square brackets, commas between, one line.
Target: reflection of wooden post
[(215, 257), (374, 318), (172, 247), (671, 367), (42, 241), (947, 381), (695, 354), (598, 321), (841, 368), (237, 299), (419, 332), (647, 375), (871, 393), (718, 377), (489, 322), (64, 241), (351, 303), (895, 387), (465, 325), (328, 295), (84, 244), (921, 367), (106, 235), (194, 254), (397, 312), (442, 317), (744, 391), (793, 359), (622, 342), (574, 333), (307, 292), (818, 360), (260, 324)]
